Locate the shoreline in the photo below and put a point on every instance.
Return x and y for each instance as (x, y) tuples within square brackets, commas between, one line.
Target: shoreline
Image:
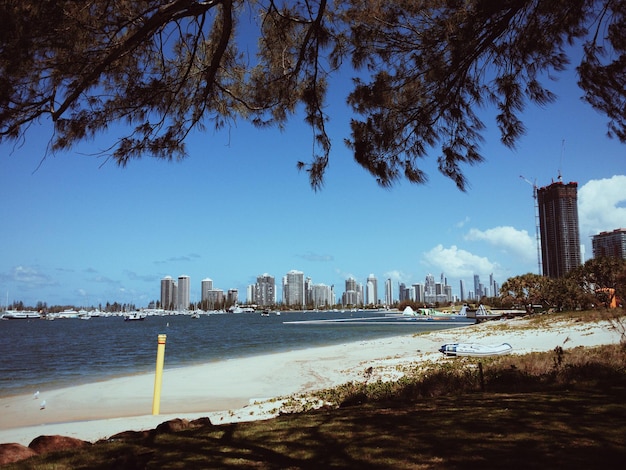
[(249, 388)]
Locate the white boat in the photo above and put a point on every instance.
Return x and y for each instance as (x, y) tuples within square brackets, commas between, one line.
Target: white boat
[(134, 316), (20, 315), (475, 349)]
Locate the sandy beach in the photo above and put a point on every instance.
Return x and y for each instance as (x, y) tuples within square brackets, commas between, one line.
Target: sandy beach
[(250, 388)]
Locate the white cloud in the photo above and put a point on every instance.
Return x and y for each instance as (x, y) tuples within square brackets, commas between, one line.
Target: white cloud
[(508, 239), (31, 276), (463, 222), (455, 262), (601, 206), (397, 276)]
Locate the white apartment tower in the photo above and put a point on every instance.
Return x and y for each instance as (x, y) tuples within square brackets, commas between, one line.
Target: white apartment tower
[(265, 290), (206, 285), (293, 289), (371, 290), (388, 293)]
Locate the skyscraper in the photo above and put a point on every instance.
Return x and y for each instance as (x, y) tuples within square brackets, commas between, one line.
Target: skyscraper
[(558, 222), (371, 290), (610, 244), (478, 291), (183, 292), (388, 293), (206, 285), (352, 295), (168, 293), (265, 290), (293, 288)]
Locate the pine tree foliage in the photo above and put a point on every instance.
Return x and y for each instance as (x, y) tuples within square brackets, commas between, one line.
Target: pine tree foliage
[(422, 72)]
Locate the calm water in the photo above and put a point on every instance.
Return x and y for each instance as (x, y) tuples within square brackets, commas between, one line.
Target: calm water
[(40, 355)]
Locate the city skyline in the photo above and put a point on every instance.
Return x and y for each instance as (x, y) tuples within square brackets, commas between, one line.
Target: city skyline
[(79, 230), (264, 292)]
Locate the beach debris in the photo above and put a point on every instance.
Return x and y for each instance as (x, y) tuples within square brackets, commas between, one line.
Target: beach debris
[(42, 406)]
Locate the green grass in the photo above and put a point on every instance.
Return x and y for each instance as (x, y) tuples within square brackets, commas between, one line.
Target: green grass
[(559, 409)]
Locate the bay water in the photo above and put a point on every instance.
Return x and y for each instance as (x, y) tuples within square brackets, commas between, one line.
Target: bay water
[(44, 355)]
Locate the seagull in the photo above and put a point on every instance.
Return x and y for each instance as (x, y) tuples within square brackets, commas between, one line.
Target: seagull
[(36, 395), (43, 405)]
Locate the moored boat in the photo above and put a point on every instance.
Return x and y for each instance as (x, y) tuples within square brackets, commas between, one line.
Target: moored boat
[(134, 316), (20, 315), (475, 349)]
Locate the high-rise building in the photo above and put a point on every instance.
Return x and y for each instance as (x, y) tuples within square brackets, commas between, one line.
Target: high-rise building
[(206, 285), (232, 297), (371, 290), (462, 290), (353, 295), (293, 289), (430, 293), (478, 291), (184, 287), (388, 293), (215, 299), (168, 293), (265, 290), (558, 223), (610, 244), (419, 292), (321, 295)]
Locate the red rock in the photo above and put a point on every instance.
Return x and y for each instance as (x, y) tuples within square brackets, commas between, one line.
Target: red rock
[(44, 444), (173, 425), (13, 452)]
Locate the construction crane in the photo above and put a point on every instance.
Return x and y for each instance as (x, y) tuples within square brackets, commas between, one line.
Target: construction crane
[(537, 235)]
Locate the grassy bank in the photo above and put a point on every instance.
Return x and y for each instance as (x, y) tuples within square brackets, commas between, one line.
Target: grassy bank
[(557, 409)]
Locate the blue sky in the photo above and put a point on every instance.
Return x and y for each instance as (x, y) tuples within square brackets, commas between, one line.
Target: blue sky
[(79, 230)]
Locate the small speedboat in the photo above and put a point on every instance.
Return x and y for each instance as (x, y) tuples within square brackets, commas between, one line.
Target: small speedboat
[(475, 349), (134, 316)]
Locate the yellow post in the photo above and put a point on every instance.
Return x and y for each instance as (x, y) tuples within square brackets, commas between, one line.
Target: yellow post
[(158, 378)]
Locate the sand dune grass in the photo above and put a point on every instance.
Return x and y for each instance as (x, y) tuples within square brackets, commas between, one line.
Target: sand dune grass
[(541, 410)]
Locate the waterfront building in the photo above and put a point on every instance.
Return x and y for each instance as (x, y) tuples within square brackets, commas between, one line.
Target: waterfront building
[(206, 285), (462, 290), (184, 289), (420, 295), (429, 288), (214, 299), (558, 223), (388, 293), (478, 290), (293, 289), (265, 290), (232, 297), (371, 290), (353, 295), (403, 292), (168, 293), (610, 244), (321, 296)]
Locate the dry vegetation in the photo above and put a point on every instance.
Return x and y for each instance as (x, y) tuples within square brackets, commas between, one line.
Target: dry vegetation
[(562, 408)]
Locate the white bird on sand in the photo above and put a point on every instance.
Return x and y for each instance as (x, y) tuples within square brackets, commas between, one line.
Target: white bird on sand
[(43, 405), (36, 395)]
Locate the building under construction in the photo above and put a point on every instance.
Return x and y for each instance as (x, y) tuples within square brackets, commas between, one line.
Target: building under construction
[(558, 222)]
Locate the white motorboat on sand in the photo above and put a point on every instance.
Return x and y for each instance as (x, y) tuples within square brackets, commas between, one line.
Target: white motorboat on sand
[(475, 349)]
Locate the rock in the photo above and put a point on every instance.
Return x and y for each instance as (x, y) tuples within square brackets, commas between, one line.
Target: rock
[(129, 436), (173, 425), (201, 422), (44, 444), (12, 452)]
